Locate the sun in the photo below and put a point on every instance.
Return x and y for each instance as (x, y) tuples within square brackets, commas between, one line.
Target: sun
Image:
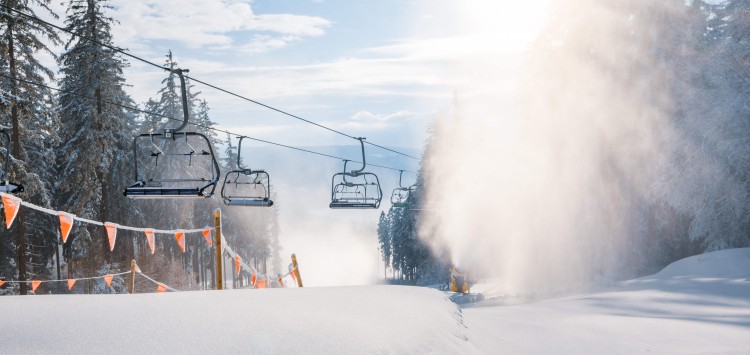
[(511, 25)]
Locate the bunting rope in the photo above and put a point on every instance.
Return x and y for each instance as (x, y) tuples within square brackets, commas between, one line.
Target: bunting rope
[(65, 280), (239, 264), (71, 282), (11, 205), (157, 282), (102, 224)]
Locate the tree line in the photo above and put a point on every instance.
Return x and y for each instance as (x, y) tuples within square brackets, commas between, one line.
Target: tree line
[(72, 149)]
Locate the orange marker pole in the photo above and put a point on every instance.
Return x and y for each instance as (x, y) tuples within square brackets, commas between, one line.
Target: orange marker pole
[(131, 286), (219, 261), (296, 270)]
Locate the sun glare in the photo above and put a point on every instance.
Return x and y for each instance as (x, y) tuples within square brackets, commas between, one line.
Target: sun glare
[(512, 25)]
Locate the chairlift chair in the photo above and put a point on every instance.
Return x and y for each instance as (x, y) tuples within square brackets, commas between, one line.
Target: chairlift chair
[(5, 185), (355, 189), (400, 194), (181, 178), (246, 187)]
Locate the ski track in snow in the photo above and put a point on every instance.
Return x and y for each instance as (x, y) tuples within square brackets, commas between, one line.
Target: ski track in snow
[(697, 305)]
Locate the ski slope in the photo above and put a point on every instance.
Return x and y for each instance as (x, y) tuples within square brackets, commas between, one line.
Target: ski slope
[(697, 305)]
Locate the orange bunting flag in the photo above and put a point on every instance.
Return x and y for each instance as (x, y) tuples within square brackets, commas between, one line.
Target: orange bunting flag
[(281, 281), (2, 282), (11, 205), (253, 278), (108, 279), (180, 236), (137, 268), (160, 288), (35, 284), (207, 235), (66, 223), (111, 234), (150, 239), (71, 282), (237, 264), (261, 283)]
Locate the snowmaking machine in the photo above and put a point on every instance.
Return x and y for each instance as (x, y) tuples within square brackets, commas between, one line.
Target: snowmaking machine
[(459, 282)]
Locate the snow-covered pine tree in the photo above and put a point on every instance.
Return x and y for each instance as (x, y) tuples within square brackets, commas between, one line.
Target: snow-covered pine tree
[(384, 239), (29, 114), (94, 156)]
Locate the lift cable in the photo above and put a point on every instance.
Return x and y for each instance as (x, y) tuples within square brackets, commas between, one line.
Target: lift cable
[(124, 52), (128, 107)]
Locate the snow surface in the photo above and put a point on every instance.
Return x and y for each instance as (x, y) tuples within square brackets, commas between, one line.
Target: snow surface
[(697, 305)]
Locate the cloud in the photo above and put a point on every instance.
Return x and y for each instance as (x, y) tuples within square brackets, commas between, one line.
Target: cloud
[(266, 43), (368, 121), (208, 23)]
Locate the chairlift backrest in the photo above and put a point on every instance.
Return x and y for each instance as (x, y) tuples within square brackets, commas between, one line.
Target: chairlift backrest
[(357, 188), (174, 164), (5, 185), (246, 187), (400, 194)]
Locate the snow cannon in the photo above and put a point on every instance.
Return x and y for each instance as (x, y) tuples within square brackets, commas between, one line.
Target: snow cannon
[(459, 282)]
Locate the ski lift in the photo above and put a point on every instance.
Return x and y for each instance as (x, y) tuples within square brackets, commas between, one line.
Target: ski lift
[(246, 187), (5, 185), (400, 194), (360, 190), (172, 161)]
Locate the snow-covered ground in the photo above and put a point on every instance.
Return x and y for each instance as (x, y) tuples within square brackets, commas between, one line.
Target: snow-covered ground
[(697, 305)]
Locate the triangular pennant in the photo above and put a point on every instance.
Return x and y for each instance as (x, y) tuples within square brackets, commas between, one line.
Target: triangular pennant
[(281, 281), (71, 282), (35, 284), (253, 278), (2, 282), (237, 264), (66, 223), (150, 239), (180, 236), (111, 234), (160, 288), (11, 204), (137, 268), (108, 279), (261, 283), (207, 236)]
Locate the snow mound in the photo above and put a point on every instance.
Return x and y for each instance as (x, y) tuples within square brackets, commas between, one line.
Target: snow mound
[(730, 263), (367, 319)]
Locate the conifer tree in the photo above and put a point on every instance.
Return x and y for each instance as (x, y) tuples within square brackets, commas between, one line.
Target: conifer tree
[(96, 131), (28, 111), (384, 239)]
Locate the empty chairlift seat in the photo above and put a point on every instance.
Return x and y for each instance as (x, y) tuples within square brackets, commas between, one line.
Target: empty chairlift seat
[(355, 189), (246, 187), (174, 164), (5, 185)]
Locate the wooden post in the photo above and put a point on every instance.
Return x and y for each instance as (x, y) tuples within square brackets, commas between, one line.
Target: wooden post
[(131, 287), (219, 257), (295, 267)]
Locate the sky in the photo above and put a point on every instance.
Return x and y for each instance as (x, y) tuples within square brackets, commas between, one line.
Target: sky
[(380, 69)]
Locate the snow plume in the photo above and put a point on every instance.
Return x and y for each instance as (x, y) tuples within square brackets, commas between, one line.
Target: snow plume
[(566, 181)]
